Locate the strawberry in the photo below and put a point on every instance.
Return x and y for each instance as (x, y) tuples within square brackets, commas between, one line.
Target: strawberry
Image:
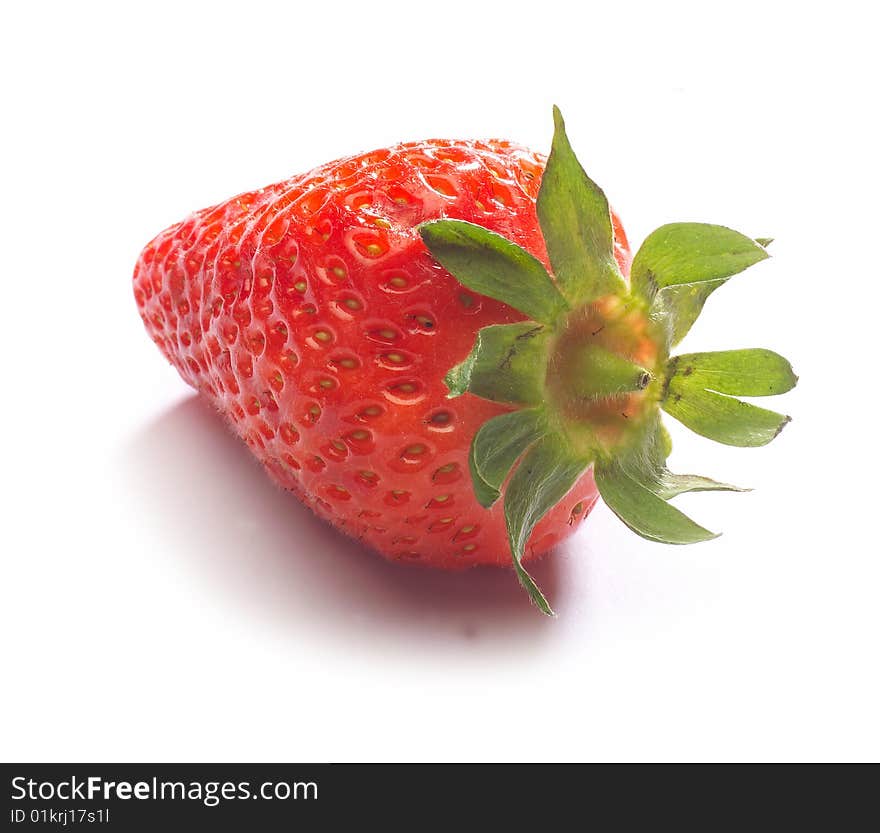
[(403, 336)]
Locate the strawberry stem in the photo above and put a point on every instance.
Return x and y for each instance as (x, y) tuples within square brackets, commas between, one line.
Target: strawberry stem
[(596, 372)]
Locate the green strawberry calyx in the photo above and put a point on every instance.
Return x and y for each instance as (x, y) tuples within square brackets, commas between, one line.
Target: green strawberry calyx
[(588, 373)]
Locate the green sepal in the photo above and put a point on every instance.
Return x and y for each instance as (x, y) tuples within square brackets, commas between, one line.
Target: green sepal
[(644, 512), (681, 264), (646, 463), (668, 485), (750, 372), (764, 241), (664, 439), (498, 444), (680, 306), (680, 253), (719, 417), (544, 476), (507, 364), (494, 266), (576, 223)]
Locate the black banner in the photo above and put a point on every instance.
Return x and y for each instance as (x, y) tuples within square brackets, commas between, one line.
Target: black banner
[(135, 797)]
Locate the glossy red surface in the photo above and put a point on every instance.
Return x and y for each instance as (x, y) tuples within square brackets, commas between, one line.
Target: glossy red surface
[(313, 318)]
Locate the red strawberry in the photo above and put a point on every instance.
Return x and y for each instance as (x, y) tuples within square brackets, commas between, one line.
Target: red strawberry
[(317, 321)]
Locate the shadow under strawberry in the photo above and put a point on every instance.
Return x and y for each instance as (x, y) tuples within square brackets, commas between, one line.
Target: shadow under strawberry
[(202, 494)]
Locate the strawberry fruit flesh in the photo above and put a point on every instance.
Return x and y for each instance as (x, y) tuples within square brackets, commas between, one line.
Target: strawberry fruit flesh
[(311, 315)]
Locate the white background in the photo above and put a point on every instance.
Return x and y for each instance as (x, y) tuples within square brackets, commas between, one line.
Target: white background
[(162, 601)]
